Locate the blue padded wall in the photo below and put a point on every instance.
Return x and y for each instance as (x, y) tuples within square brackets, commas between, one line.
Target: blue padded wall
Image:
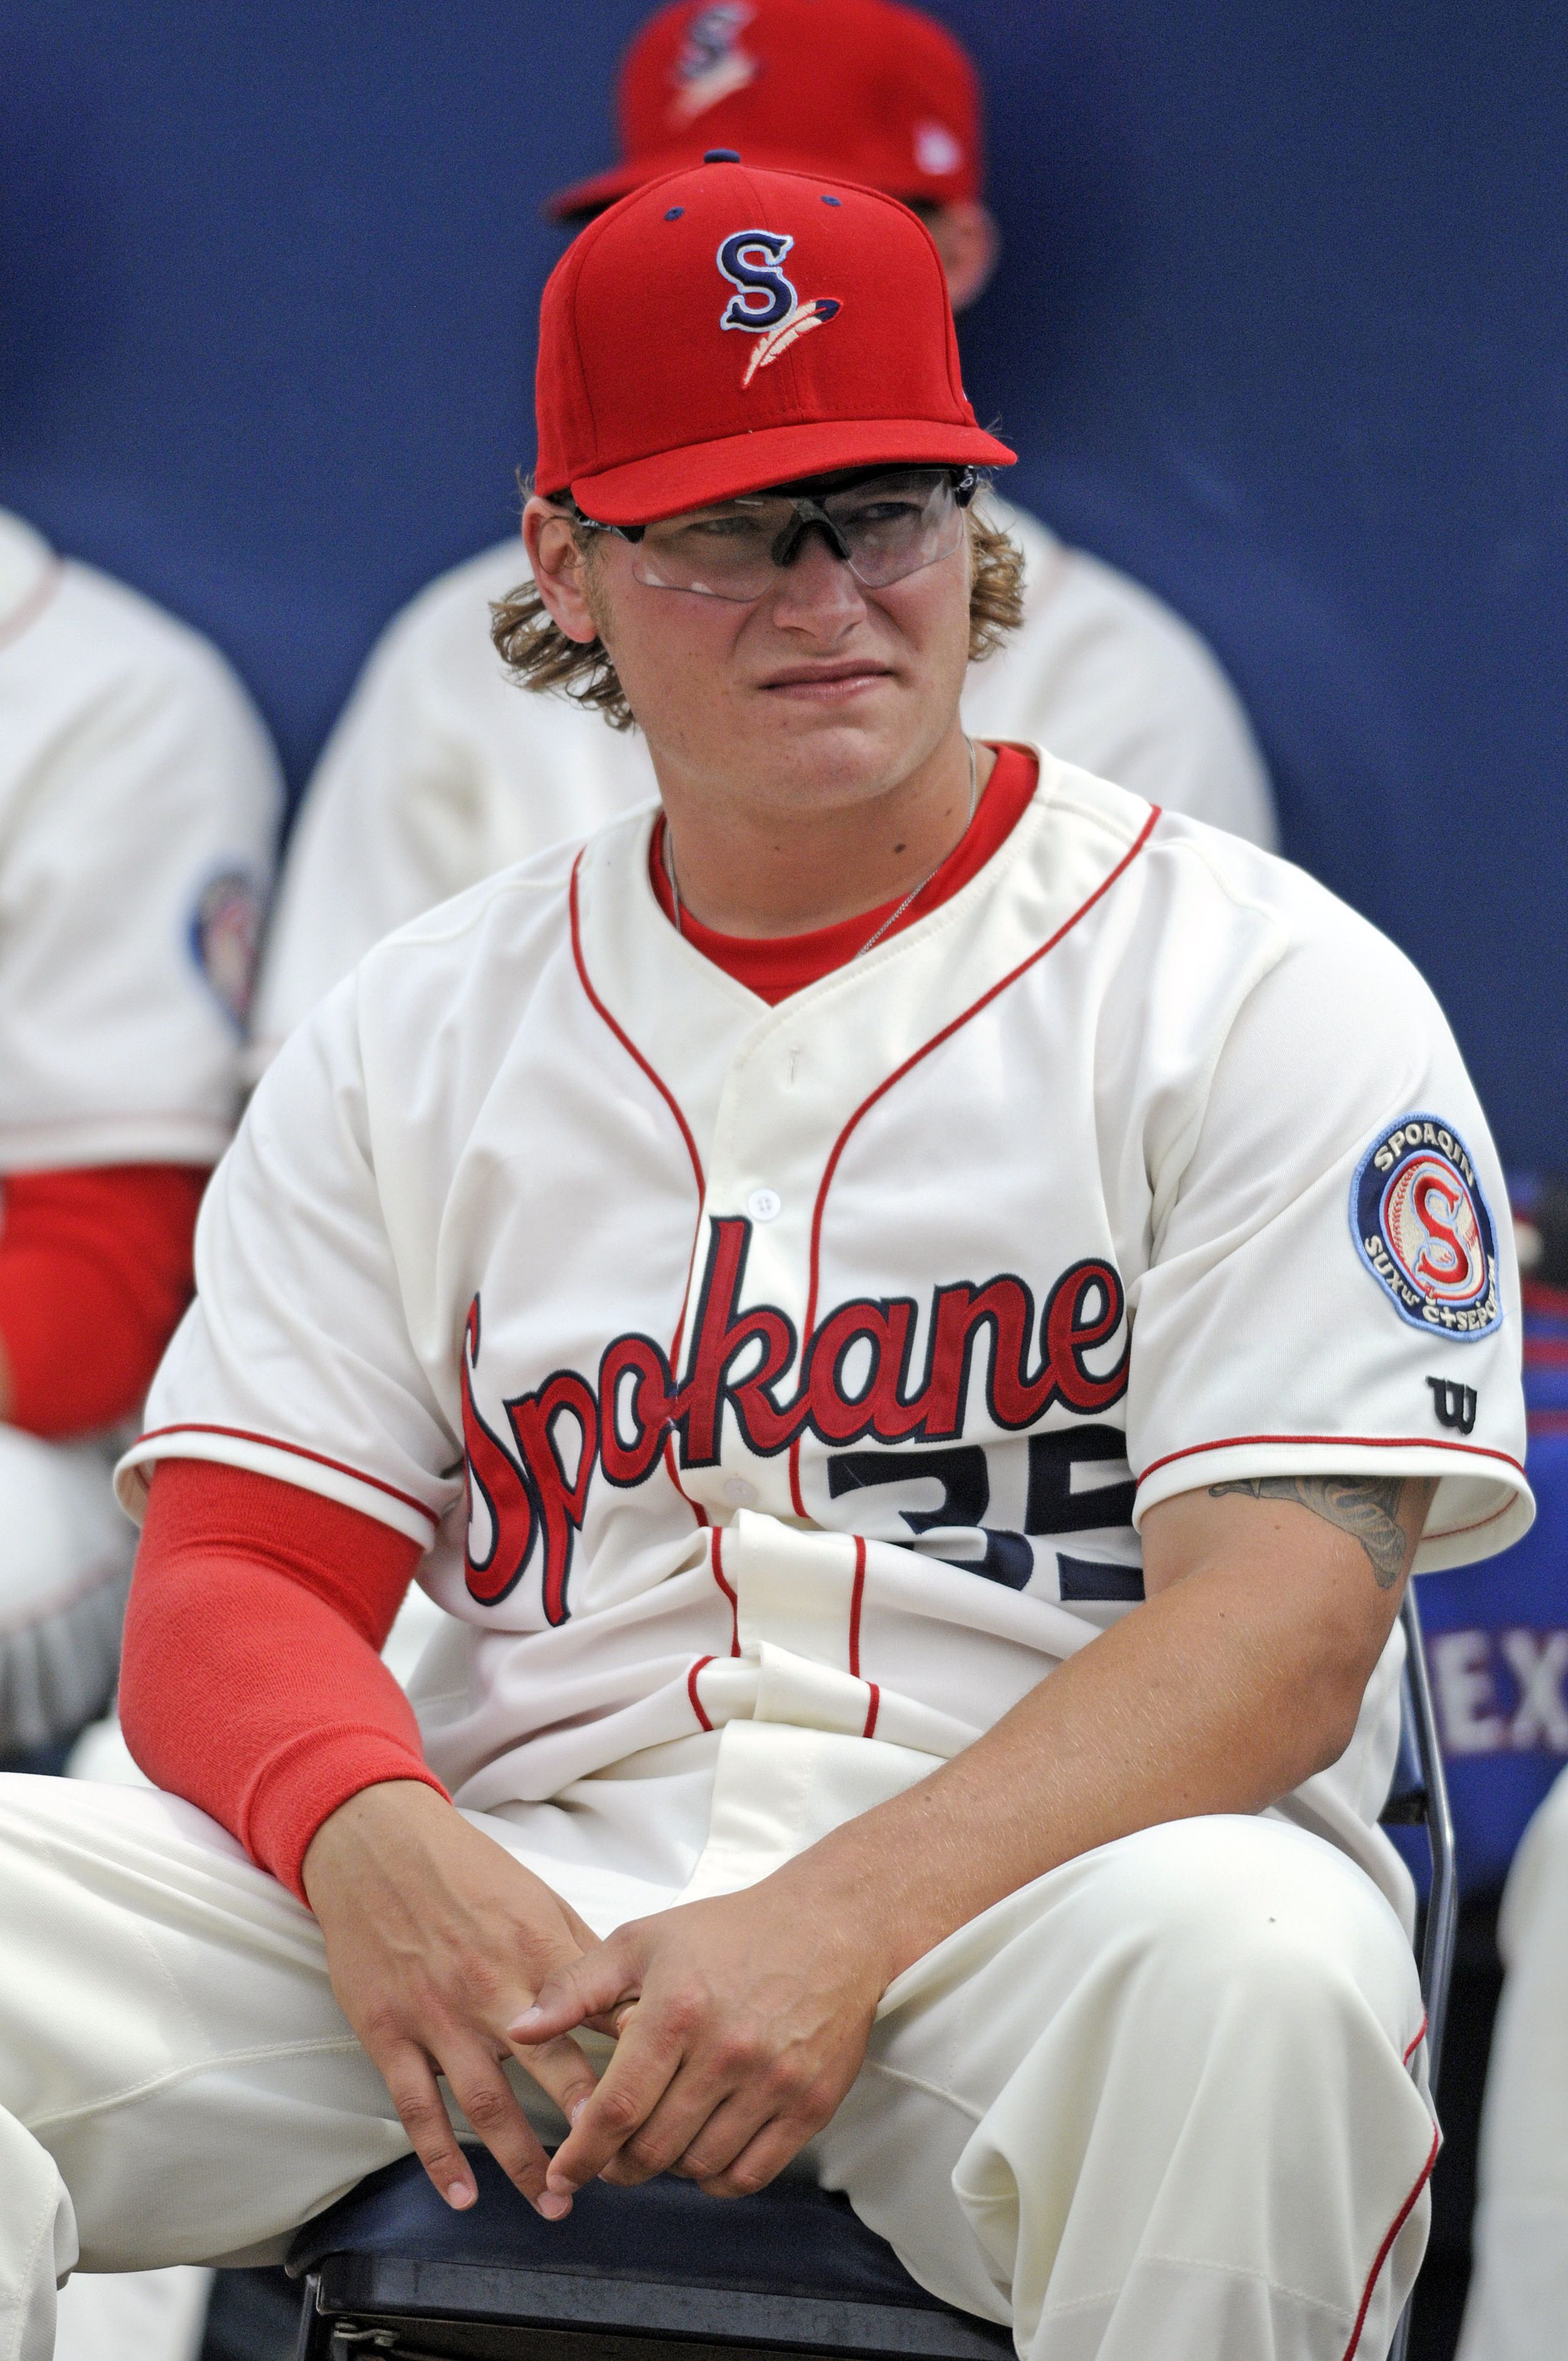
[(1280, 327)]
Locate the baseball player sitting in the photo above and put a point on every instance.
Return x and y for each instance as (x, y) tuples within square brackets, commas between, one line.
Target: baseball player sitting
[(900, 1298), (439, 772), (138, 802), (1518, 2292)]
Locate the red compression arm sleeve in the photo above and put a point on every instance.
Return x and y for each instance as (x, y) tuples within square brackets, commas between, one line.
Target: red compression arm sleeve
[(252, 1681), (94, 1273)]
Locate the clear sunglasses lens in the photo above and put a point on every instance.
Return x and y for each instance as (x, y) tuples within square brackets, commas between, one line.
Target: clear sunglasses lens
[(720, 552), (895, 525), (892, 526)]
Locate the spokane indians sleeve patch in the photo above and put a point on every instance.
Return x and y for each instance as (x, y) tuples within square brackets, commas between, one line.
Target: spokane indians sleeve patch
[(225, 934), (1424, 1230)]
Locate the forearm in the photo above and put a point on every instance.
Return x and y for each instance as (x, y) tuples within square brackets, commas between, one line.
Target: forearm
[(1216, 1695), (94, 1272), (251, 1682), (435, 1940), (1192, 1704)]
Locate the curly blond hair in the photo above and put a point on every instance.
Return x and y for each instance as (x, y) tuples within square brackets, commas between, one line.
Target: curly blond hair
[(539, 656)]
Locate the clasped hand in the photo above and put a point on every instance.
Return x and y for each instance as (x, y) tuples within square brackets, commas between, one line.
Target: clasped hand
[(739, 2023)]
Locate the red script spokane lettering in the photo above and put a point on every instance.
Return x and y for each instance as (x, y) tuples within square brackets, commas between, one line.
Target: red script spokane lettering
[(621, 1424)]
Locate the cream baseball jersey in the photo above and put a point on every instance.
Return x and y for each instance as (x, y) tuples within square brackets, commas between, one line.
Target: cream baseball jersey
[(138, 805), (441, 770), (779, 1390)]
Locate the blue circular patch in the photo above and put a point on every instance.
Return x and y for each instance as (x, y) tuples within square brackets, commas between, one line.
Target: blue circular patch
[(1423, 1228), (225, 934)]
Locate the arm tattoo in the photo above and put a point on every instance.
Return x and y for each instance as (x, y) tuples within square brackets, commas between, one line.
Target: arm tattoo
[(1366, 1507)]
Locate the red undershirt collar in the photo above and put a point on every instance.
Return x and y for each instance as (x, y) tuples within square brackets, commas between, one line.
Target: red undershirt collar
[(774, 966)]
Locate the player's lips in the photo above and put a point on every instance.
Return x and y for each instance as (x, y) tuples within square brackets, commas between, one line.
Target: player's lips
[(827, 682)]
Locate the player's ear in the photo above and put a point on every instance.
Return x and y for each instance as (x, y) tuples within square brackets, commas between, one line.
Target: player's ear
[(560, 567), (966, 237)]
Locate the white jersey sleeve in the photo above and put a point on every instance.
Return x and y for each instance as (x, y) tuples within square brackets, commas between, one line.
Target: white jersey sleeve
[(1104, 674), (295, 1353), (1332, 1287), (138, 804), (440, 771)]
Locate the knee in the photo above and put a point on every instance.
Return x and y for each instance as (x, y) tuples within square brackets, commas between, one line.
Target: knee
[(59, 1525), (1255, 1916), (65, 1562), (1547, 1835), (1537, 1890)]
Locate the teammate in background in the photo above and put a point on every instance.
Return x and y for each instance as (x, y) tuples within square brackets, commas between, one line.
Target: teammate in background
[(842, 1288), (139, 803), (439, 772), (1517, 2306)]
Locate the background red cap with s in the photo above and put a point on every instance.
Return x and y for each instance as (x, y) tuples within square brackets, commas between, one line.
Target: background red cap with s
[(724, 329), (879, 93)]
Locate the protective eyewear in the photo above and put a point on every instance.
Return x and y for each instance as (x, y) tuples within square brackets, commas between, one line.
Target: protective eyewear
[(883, 527)]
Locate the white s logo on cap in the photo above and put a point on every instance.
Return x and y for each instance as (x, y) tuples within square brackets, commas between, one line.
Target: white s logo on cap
[(767, 304)]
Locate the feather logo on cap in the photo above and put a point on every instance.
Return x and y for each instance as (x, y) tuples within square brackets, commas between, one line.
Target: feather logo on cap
[(815, 314), (712, 65), (766, 304)]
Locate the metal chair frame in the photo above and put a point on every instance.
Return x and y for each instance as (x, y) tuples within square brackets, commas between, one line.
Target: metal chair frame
[(1420, 1798), (809, 2279)]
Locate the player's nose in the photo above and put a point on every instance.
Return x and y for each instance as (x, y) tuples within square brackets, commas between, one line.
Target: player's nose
[(816, 592)]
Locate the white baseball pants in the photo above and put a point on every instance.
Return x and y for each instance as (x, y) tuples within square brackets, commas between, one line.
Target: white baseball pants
[(1166, 2100), (161, 2315), (133, 2315), (1517, 2308), (65, 1567)]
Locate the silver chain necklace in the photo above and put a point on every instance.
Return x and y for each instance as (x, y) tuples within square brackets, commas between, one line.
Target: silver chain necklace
[(894, 916)]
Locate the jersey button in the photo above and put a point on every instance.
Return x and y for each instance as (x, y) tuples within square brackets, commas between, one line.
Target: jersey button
[(740, 1494), (764, 1204)]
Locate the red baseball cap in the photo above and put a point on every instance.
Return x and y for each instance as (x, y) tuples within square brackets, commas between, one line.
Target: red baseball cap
[(724, 329), (877, 92)]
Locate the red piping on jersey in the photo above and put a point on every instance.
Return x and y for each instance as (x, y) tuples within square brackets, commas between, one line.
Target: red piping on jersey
[(1358, 1442), (716, 1559), (668, 1454), (272, 1443), (1415, 2044), (1398, 2223), (1450, 1533), (897, 1076), (855, 1596), (627, 1043), (635, 1054), (691, 1690)]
